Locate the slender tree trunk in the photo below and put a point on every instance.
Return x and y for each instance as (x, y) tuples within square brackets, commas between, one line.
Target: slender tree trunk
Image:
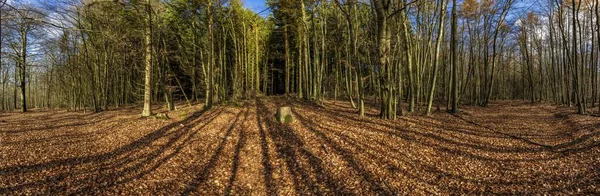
[(494, 53), (453, 47), (598, 39), (211, 88), (2, 3), (106, 75), (592, 59), (575, 62), (256, 61), (148, 63), (23, 69), (351, 17), (412, 76), (287, 60), (15, 87), (305, 51), (440, 36), (357, 63)]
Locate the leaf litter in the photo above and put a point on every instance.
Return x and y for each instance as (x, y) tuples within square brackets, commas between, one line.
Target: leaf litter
[(509, 147)]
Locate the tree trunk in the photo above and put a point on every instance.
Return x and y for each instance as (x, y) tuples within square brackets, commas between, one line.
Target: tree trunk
[(575, 62), (210, 95), (453, 48), (287, 60), (148, 64), (15, 87), (598, 38), (440, 36), (23, 69), (505, 10), (382, 9)]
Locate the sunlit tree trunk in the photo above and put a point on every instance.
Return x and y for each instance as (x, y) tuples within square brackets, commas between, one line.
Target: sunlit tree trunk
[(287, 60), (440, 36), (211, 58), (382, 10), (147, 111)]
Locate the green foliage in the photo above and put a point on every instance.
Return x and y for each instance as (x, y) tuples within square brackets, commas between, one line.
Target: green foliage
[(288, 119)]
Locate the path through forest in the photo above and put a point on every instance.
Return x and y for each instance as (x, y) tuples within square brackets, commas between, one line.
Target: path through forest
[(510, 147)]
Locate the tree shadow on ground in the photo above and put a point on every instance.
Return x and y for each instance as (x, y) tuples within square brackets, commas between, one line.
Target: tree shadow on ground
[(203, 175), (441, 142), (95, 173), (309, 175), (328, 150), (445, 128)]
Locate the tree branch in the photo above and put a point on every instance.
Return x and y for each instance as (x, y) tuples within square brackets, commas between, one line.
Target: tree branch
[(401, 9)]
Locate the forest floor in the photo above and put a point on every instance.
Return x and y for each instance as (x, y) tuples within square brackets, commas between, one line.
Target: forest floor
[(510, 147)]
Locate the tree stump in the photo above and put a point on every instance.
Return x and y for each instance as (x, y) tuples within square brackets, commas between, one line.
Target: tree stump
[(284, 115)]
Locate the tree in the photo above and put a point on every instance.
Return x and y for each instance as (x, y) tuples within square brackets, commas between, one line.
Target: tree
[(25, 21), (440, 36), (575, 63), (147, 111), (2, 4), (211, 59), (598, 37), (351, 18), (497, 31), (383, 10), (453, 48), (380, 51)]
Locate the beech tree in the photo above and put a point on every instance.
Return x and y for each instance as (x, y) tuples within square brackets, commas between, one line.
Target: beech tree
[(25, 20), (148, 62), (454, 59)]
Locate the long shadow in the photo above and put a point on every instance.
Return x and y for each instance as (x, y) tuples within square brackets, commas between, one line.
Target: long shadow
[(402, 132), (56, 138), (341, 117), (374, 185), (431, 169), (373, 126), (322, 130), (51, 124), (202, 176), (379, 185), (141, 142), (45, 129), (564, 148), (236, 156), (447, 126), (446, 142), (505, 134), (152, 159), (111, 168), (266, 161), (310, 177)]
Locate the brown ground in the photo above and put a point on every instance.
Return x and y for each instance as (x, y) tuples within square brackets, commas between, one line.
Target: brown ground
[(508, 148)]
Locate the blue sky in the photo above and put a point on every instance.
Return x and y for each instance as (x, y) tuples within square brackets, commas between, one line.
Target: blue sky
[(256, 6)]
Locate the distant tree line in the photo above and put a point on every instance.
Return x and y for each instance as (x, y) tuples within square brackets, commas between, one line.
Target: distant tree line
[(96, 54)]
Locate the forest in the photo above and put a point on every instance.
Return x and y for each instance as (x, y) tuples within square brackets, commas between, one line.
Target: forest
[(299, 97)]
